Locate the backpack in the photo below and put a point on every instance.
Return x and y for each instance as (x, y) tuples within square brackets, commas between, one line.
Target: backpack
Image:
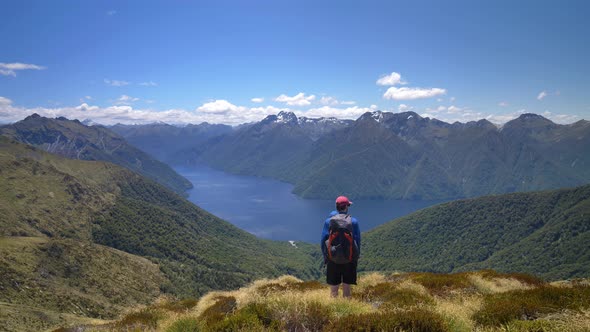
[(340, 245)]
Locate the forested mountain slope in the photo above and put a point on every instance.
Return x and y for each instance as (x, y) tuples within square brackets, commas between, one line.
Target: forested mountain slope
[(543, 233), (72, 139), (81, 232)]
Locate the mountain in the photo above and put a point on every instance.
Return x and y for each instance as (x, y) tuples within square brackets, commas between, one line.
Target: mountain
[(89, 238), (405, 156), (543, 233), (162, 140), (273, 147), (74, 140)]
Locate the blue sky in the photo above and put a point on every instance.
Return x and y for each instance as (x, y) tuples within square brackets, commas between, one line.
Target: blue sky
[(238, 61)]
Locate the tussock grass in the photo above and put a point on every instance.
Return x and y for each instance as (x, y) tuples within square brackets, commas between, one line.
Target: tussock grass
[(497, 285), (531, 304), (443, 284), (418, 320), (471, 301)]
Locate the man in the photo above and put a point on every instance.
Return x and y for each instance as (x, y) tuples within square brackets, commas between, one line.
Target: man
[(341, 269)]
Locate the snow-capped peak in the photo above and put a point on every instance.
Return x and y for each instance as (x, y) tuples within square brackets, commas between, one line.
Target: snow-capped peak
[(286, 117), (332, 120), (377, 115)]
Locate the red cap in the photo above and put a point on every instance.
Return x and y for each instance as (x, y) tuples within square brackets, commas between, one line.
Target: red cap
[(343, 200)]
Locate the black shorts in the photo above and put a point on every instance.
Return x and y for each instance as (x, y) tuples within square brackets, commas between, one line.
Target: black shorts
[(341, 273)]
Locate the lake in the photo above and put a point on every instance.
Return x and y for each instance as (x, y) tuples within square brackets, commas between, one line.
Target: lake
[(268, 209)]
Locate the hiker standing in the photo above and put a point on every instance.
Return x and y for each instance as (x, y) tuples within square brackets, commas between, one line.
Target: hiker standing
[(341, 244)]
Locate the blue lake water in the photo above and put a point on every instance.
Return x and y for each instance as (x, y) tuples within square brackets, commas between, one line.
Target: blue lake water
[(268, 209)]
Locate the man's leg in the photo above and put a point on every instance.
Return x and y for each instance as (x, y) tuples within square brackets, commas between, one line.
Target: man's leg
[(334, 290), (345, 290)]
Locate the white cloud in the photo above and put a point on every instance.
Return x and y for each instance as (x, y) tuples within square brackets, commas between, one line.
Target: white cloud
[(150, 83), (222, 111), (412, 93), (348, 102), (115, 82), (298, 100), (542, 95), (5, 101), (503, 104), (218, 107), (87, 108), (340, 113), (257, 100), (10, 69), (454, 109), (326, 100), (452, 99), (391, 79), (126, 100)]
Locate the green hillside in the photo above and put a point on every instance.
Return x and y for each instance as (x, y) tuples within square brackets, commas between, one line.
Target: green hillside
[(90, 222), (47, 282), (542, 233), (72, 139)]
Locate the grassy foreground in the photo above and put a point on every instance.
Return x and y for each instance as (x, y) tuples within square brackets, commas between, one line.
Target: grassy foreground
[(470, 301)]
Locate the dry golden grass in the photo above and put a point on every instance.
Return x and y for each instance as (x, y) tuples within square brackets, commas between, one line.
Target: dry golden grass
[(459, 310), (498, 285), (289, 304)]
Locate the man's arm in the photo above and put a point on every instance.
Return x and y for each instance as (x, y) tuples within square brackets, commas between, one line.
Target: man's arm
[(356, 233), (325, 234)]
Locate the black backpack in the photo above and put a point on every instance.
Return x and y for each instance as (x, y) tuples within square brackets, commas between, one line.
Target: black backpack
[(340, 245)]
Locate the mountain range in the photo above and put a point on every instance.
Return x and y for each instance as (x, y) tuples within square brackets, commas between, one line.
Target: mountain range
[(72, 139), (402, 155), (160, 139)]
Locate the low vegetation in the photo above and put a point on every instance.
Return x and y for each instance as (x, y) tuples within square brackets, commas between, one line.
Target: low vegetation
[(470, 301)]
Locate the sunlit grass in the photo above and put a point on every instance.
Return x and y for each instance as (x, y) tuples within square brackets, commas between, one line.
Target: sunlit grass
[(470, 301)]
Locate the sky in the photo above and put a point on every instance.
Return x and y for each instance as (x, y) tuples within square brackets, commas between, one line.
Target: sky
[(238, 61)]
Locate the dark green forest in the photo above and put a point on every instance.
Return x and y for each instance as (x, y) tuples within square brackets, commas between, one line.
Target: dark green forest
[(542, 233)]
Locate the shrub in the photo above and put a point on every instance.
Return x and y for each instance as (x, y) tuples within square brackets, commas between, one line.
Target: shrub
[(185, 325), (236, 323), (532, 326), (261, 312), (529, 304), (522, 277), (253, 317), (388, 293), (416, 320), (179, 306), (442, 284), (294, 286), (223, 306), (312, 317), (146, 318)]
